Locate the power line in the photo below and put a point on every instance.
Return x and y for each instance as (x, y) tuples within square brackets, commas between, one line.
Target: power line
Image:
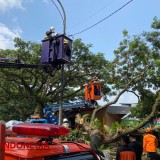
[(108, 4), (95, 13), (103, 18), (57, 9)]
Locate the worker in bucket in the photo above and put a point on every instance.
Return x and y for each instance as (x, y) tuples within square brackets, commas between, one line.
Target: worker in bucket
[(51, 33)]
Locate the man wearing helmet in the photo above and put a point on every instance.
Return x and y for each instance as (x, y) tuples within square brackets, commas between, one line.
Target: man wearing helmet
[(51, 33), (150, 144)]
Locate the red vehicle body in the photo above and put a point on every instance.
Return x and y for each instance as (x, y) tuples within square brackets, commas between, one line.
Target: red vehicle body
[(56, 151), (38, 148)]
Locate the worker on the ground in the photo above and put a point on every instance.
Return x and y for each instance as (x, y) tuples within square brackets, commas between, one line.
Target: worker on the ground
[(150, 144), (136, 146), (65, 123), (125, 152), (51, 33), (95, 79)]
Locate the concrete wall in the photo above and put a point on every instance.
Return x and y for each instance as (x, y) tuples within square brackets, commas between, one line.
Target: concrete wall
[(105, 117)]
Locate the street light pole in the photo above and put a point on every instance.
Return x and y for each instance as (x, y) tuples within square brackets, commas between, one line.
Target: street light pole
[(64, 16), (62, 69)]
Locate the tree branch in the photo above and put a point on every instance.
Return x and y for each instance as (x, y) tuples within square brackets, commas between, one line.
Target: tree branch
[(145, 121), (133, 80), (134, 93), (110, 103)]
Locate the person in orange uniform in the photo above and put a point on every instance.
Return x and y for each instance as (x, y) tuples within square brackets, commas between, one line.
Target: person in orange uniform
[(125, 152), (150, 144)]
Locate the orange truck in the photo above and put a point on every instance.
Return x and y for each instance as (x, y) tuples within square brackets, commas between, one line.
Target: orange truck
[(35, 142)]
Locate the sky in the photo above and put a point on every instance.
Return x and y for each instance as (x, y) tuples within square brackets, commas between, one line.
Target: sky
[(30, 19)]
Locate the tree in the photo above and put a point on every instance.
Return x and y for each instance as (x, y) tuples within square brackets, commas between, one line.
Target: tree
[(35, 87), (17, 108), (144, 106), (136, 68)]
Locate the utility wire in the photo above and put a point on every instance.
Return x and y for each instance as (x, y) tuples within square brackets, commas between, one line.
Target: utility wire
[(103, 18), (93, 14), (101, 9), (58, 9)]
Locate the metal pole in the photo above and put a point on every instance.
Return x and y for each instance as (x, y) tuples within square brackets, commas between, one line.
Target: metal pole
[(62, 69), (64, 21), (61, 95), (2, 140)]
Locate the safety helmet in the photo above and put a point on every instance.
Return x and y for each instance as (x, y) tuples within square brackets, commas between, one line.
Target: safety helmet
[(65, 120), (52, 27), (148, 130)]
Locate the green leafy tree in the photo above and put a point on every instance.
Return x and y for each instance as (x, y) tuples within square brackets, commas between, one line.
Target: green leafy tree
[(144, 106), (36, 88), (135, 69)]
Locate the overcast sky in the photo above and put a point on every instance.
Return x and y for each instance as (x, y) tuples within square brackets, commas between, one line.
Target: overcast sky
[(30, 19)]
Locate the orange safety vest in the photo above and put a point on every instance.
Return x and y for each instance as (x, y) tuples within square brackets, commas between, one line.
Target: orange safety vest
[(127, 155), (150, 143)]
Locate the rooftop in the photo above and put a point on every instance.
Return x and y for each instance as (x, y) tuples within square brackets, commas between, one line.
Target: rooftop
[(118, 109)]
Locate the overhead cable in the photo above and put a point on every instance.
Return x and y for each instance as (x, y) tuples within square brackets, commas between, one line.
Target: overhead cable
[(93, 14), (103, 19), (58, 9)]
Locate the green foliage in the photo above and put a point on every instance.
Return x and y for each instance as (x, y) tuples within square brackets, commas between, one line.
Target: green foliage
[(144, 106), (125, 33), (123, 125), (18, 109), (77, 136), (107, 129), (137, 59), (136, 67), (96, 123), (104, 147), (35, 87), (130, 123), (155, 23), (117, 125)]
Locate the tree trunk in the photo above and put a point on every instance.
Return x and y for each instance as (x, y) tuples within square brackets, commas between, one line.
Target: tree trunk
[(39, 109)]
